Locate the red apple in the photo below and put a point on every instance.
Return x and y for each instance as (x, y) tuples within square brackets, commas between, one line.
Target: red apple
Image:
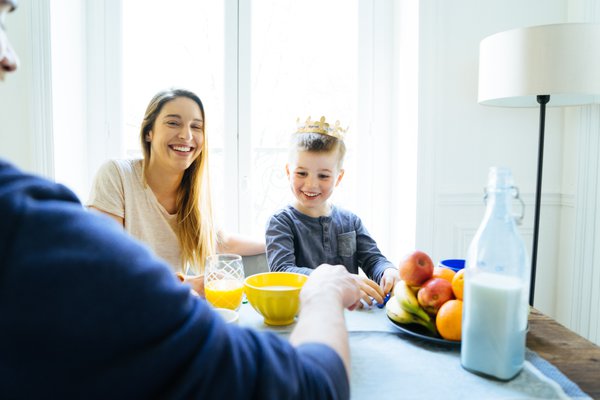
[(434, 293), (416, 268)]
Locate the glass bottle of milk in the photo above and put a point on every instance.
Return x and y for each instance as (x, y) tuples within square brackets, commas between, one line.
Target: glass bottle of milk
[(496, 287)]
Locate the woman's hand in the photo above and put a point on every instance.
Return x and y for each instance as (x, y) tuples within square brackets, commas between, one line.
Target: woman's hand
[(196, 283), (369, 291), (389, 279)]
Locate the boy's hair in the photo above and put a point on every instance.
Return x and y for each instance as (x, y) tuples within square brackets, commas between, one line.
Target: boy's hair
[(319, 137), (319, 143)]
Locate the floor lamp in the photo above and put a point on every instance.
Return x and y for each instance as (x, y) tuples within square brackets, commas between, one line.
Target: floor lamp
[(554, 65)]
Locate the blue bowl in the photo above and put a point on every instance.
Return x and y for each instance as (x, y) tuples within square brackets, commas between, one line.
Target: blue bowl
[(454, 264)]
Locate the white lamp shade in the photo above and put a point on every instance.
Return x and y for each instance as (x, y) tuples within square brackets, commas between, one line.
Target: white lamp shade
[(560, 60)]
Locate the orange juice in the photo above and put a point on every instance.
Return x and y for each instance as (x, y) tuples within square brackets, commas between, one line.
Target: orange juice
[(224, 293)]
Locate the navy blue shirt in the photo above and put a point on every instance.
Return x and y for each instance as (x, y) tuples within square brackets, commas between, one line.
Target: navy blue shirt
[(86, 311), (299, 243)]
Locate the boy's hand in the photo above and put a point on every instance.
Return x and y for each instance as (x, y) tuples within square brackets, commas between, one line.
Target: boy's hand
[(369, 291), (389, 279)]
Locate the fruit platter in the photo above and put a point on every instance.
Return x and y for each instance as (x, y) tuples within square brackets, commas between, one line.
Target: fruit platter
[(421, 333), (427, 301)]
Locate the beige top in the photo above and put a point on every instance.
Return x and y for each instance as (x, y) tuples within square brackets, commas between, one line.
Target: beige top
[(119, 189)]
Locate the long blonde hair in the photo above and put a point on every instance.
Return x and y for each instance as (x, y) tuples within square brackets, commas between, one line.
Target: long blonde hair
[(195, 228)]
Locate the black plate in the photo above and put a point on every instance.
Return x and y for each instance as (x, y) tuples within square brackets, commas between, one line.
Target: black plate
[(421, 332)]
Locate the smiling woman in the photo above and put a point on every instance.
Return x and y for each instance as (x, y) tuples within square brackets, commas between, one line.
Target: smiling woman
[(164, 199), (160, 199)]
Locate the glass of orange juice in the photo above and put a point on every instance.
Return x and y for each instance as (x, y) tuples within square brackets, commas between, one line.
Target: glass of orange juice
[(224, 280)]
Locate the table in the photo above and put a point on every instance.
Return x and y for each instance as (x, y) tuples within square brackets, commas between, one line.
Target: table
[(573, 355), (387, 363)]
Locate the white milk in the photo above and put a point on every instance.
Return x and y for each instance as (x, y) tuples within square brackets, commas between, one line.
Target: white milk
[(494, 325)]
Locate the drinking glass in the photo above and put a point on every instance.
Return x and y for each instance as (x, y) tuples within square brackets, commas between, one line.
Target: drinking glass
[(224, 280)]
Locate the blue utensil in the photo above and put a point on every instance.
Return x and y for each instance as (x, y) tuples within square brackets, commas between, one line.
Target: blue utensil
[(385, 300)]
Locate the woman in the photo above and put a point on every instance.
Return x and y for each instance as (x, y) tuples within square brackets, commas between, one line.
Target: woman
[(164, 199)]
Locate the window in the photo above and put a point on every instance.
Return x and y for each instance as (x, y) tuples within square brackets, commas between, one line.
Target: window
[(174, 44), (303, 62), (258, 66)]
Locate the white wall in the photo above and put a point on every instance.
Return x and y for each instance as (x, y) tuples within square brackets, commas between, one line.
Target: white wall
[(16, 138), (578, 281), (460, 139), (26, 102)]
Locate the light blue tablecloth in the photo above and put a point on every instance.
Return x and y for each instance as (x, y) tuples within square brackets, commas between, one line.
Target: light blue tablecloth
[(387, 363)]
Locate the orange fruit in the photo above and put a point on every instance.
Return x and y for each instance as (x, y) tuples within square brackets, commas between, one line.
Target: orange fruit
[(448, 320), (458, 284), (444, 273)]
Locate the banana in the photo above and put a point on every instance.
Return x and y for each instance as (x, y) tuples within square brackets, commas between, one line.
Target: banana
[(408, 301), (398, 314)]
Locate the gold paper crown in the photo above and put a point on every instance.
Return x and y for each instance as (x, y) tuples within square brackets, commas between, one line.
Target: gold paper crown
[(321, 127)]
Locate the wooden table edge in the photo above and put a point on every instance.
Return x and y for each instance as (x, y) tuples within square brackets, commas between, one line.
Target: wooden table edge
[(576, 357)]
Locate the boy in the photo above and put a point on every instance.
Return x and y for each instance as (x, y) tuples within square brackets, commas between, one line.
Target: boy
[(311, 230)]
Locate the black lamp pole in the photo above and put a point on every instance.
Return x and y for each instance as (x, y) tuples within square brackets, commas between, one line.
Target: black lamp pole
[(542, 100)]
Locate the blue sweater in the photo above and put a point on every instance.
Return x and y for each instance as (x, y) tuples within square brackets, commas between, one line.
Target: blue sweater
[(299, 243), (87, 312)]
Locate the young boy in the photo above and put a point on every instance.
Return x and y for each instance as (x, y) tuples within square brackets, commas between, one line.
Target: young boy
[(311, 230)]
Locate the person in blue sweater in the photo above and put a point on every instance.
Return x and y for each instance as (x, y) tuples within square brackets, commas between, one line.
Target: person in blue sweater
[(311, 230), (86, 311)]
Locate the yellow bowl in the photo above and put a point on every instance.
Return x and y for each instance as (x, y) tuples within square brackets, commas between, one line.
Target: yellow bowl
[(275, 295)]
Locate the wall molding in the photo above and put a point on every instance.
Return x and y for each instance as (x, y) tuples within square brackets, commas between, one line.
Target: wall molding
[(476, 199), (463, 235), (41, 96), (584, 317)]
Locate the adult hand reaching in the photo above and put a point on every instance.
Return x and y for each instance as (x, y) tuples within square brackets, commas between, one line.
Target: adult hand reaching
[(328, 290), (332, 281)]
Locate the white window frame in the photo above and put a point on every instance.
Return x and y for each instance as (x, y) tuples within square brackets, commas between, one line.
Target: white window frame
[(387, 100)]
